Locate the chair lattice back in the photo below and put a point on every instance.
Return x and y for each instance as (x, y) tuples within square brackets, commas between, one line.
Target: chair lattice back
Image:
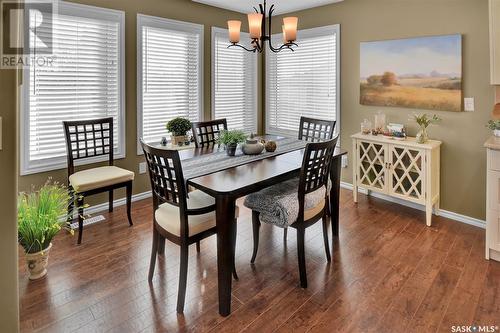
[(316, 166), (207, 132), (316, 130), (88, 138), (165, 173)]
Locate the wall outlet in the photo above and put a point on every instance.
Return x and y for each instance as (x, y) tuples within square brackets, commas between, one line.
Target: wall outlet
[(345, 161), (469, 104), (142, 167)]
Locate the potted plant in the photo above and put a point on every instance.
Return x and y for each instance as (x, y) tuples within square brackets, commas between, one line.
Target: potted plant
[(494, 125), (424, 120), (178, 127), (231, 139), (41, 215)]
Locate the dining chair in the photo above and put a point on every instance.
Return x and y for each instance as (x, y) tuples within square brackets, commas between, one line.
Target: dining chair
[(180, 217), (206, 133), (87, 139), (304, 201), (314, 130)]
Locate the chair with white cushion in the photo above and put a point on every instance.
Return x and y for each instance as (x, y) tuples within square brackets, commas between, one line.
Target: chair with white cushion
[(86, 139), (297, 203), (182, 218)]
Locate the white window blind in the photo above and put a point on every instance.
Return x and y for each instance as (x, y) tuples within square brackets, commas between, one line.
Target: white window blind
[(169, 69), (83, 82), (304, 82), (234, 83)]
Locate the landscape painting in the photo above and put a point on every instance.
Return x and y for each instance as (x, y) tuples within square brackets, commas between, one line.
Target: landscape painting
[(419, 73)]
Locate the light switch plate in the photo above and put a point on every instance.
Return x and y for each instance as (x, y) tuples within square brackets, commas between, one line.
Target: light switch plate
[(469, 104), (142, 167), (344, 161)]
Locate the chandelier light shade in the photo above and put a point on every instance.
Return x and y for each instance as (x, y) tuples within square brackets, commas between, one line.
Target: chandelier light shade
[(260, 33)]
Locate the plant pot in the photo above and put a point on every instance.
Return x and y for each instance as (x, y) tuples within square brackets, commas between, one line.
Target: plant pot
[(231, 149), (178, 139), (496, 132), (37, 263)]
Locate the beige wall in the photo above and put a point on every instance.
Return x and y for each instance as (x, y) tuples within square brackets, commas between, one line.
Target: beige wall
[(184, 10), (8, 211), (463, 166)]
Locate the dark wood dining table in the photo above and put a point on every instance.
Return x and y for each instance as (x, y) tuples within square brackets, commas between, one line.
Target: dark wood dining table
[(226, 186)]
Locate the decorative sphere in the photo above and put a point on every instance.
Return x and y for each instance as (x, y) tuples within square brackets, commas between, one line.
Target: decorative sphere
[(270, 146)]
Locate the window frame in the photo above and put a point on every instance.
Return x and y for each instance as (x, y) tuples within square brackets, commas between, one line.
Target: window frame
[(166, 24), (313, 32), (215, 31), (28, 167)]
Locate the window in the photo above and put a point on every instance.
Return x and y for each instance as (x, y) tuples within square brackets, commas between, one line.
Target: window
[(84, 81), (169, 70), (304, 82), (234, 83)]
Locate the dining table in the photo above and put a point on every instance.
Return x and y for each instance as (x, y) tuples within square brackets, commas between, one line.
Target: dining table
[(226, 179)]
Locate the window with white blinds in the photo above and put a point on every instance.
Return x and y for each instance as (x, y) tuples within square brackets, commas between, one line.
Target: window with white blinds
[(304, 82), (169, 69), (234, 83), (84, 81)]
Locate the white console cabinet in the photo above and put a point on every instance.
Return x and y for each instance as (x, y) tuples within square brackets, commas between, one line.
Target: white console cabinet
[(402, 169), (493, 199)]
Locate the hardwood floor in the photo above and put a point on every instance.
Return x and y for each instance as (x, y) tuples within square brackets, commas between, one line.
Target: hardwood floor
[(389, 273)]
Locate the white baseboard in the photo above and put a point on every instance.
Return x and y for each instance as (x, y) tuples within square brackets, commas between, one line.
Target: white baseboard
[(442, 212), (93, 209)]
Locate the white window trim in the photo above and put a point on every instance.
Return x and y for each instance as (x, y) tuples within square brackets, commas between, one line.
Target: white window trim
[(217, 30), (300, 34), (164, 23), (92, 12)]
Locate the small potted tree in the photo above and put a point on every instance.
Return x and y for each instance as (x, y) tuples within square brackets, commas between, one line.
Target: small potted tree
[(41, 215), (179, 128), (230, 139), (494, 125)]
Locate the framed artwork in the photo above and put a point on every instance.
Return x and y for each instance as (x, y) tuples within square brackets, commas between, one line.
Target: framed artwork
[(419, 73)]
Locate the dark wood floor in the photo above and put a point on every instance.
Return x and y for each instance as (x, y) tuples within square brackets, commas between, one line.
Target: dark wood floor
[(389, 273)]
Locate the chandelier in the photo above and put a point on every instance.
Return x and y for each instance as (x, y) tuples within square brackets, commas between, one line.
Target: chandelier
[(258, 33)]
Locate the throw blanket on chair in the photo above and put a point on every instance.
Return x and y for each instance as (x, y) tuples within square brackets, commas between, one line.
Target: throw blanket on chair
[(279, 204)]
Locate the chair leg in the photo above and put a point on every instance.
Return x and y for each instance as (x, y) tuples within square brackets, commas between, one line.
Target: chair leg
[(181, 296), (256, 228), (154, 249), (285, 234), (198, 246), (79, 204), (302, 257), (71, 204), (110, 201), (325, 237), (235, 275), (161, 245), (129, 203)]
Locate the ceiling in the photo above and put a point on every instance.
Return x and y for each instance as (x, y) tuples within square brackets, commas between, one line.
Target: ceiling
[(282, 6)]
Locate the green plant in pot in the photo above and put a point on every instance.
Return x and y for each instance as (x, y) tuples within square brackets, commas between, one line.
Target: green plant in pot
[(41, 215), (230, 139), (424, 120), (494, 125), (179, 128)]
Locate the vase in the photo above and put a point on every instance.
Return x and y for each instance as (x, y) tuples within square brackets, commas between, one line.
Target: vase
[(176, 139), (252, 147), (37, 263), (422, 136), (496, 132), (231, 149)]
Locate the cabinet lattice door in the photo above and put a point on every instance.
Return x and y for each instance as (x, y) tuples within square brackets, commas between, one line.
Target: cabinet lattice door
[(372, 165), (407, 172)]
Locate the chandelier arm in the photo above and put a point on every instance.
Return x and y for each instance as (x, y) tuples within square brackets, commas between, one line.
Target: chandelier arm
[(243, 47)]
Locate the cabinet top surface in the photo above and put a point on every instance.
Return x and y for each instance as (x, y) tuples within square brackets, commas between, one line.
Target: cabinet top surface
[(409, 141), (493, 142)]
